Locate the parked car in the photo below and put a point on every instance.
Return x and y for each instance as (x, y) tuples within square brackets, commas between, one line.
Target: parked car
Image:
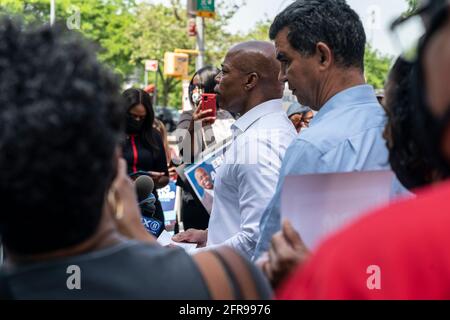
[(169, 116)]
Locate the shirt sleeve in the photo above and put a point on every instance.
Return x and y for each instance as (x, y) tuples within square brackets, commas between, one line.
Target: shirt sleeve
[(301, 157), (256, 183), (185, 120)]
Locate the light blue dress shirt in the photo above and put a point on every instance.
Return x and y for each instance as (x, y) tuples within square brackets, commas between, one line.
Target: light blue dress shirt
[(246, 181), (344, 136)]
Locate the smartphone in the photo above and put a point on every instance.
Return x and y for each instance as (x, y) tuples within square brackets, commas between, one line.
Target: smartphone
[(209, 103)]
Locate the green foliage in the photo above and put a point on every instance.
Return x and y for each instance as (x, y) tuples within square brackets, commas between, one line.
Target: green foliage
[(218, 39), (259, 32), (158, 29), (102, 21), (376, 67), (376, 64), (412, 4), (127, 34)]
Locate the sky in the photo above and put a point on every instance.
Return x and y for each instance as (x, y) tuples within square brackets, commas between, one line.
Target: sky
[(377, 33)]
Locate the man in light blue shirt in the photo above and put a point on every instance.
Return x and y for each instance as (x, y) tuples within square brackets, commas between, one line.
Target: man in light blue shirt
[(324, 66), (342, 137), (248, 84)]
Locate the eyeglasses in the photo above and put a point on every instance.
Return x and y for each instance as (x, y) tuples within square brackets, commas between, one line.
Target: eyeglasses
[(409, 30)]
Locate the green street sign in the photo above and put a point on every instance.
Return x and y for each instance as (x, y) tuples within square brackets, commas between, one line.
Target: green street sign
[(205, 5), (205, 8)]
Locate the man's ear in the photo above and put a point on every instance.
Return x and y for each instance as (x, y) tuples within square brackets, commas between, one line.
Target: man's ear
[(252, 80), (324, 55)]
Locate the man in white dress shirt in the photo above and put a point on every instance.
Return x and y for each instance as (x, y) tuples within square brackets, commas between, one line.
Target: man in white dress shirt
[(248, 85)]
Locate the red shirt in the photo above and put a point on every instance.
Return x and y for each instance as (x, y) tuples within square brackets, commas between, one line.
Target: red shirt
[(409, 241)]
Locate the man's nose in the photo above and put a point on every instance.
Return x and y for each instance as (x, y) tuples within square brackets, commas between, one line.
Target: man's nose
[(218, 77), (282, 76)]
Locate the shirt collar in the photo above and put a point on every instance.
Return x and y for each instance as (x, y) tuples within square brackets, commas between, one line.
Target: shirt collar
[(256, 113), (355, 95)]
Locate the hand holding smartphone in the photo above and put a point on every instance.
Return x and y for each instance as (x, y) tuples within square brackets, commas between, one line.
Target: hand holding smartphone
[(209, 103)]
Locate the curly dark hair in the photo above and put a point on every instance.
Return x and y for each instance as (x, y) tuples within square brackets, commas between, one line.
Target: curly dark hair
[(61, 121), (406, 156), (330, 21), (207, 76)]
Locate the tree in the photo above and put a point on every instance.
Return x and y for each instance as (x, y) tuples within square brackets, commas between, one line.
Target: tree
[(218, 39), (259, 32), (412, 5), (102, 21), (376, 64), (158, 29), (127, 34), (377, 67)]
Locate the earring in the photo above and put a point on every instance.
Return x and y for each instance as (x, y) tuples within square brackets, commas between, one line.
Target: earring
[(119, 210), (117, 205)]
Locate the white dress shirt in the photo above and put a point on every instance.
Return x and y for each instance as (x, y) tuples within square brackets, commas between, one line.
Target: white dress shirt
[(247, 179)]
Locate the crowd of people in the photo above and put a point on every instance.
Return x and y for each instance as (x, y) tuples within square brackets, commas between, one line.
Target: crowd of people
[(71, 145)]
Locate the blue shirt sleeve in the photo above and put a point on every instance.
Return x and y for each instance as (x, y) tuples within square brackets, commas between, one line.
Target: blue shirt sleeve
[(301, 157)]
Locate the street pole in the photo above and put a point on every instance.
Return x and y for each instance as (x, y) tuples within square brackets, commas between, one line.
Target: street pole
[(145, 78), (52, 12), (372, 26), (200, 42), (155, 93)]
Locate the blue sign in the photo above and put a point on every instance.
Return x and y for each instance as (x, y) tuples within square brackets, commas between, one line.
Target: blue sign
[(167, 197), (153, 226)]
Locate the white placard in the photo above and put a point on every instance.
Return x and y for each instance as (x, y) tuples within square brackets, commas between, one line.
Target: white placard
[(320, 204)]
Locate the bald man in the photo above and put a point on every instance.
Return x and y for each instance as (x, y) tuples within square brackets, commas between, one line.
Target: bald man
[(248, 85)]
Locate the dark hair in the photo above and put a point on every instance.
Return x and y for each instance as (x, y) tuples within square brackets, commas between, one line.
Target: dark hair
[(133, 97), (406, 157), (207, 81), (61, 121), (330, 21)]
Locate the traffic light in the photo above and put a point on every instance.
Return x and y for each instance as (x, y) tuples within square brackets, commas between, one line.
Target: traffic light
[(176, 64)]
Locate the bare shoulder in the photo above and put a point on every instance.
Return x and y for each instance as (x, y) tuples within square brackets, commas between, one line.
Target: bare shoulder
[(229, 275)]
